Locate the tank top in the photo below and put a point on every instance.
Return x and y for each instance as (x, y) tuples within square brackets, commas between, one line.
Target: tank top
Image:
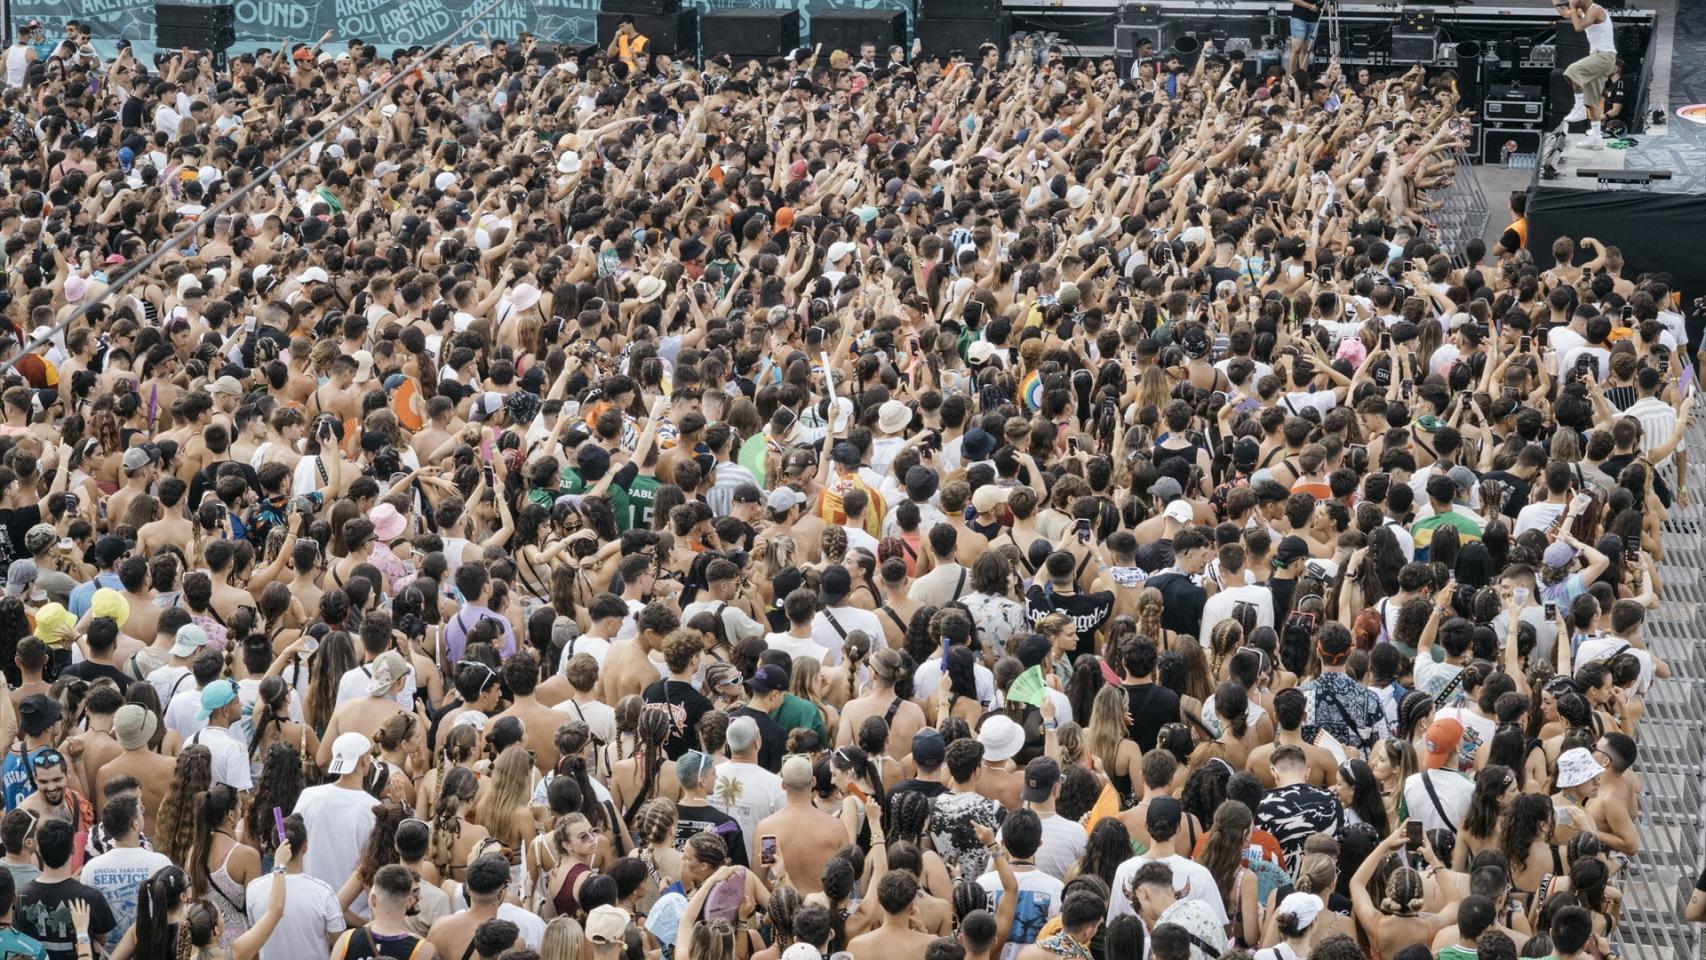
[(17, 64), (454, 547), (1600, 37), (227, 895)]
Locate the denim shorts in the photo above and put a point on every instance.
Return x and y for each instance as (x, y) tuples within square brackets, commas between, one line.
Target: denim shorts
[(1304, 29)]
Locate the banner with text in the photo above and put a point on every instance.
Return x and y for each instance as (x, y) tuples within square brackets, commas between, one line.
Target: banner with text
[(387, 24)]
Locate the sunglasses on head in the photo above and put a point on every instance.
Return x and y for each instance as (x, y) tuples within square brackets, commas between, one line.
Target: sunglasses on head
[(47, 758)]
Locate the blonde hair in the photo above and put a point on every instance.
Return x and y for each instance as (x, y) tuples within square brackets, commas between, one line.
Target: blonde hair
[(507, 790), (1107, 729), (563, 940)]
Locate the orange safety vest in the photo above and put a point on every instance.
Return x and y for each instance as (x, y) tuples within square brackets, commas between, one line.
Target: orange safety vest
[(627, 48), (1520, 225)]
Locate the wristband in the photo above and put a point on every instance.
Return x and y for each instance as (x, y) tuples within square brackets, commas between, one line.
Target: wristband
[(82, 936)]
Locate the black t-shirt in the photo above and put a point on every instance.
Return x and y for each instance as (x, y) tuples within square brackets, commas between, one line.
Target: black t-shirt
[(362, 943), (685, 705), (1152, 707), (1087, 610), (930, 788), (13, 525), (1156, 556), (1181, 602), (1300, 12), (44, 912), (1282, 589), (1612, 466), (692, 819), (772, 739), (205, 478), (91, 671), (1516, 491)]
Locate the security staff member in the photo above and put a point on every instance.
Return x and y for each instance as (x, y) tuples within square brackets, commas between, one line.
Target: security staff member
[(629, 43)]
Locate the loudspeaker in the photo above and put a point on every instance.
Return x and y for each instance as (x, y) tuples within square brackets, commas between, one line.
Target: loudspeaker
[(848, 29), (1414, 47), (749, 34), (1560, 99), (939, 37), (959, 9), (651, 8), (675, 34), (196, 27)]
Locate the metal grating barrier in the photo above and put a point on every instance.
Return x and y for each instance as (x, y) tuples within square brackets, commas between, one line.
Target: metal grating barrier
[(1463, 214), (1672, 819)]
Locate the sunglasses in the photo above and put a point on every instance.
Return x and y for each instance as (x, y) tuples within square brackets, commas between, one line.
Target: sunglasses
[(48, 758), (491, 677)]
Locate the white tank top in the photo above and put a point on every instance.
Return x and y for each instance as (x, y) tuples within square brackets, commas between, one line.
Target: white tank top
[(1600, 38), (17, 64)]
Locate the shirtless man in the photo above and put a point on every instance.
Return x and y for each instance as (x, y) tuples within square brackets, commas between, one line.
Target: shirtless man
[(367, 714), (144, 615), (133, 728), (219, 557), (1002, 739), (439, 428), (141, 466), (970, 543), (1159, 766), (1289, 708), (521, 675), (339, 396), (96, 743), (1618, 800), (632, 665), (905, 717), (897, 893), (806, 836), (174, 528)]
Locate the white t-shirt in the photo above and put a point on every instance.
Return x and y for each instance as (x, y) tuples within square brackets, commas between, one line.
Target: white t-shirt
[(1454, 790), (338, 822), (748, 793), (597, 647), (353, 686), (1039, 901), (1221, 605), (312, 917), (1185, 871), (599, 718), (736, 624), (1605, 647), (797, 647), (182, 712), (1537, 516), (929, 674), (119, 873), (850, 619), (1063, 843), (230, 756), (165, 680)]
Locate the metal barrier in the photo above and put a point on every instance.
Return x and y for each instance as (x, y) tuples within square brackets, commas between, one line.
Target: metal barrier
[(1463, 214), (1657, 881)]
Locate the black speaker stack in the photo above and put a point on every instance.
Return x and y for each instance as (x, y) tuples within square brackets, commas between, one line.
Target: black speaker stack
[(1511, 121), (961, 26), (849, 29), (749, 34), (210, 28), (668, 29)]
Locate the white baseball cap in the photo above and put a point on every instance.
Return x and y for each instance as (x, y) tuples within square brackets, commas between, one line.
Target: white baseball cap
[(347, 751)]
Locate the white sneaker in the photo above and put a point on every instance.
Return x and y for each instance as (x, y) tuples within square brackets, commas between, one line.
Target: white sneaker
[(1577, 115)]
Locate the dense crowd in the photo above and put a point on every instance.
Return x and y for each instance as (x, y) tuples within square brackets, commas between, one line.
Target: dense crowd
[(860, 505)]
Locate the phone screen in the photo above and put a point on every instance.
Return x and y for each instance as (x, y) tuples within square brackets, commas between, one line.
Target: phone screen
[(1082, 529), (1413, 834), (766, 850), (1551, 610), (1526, 344)]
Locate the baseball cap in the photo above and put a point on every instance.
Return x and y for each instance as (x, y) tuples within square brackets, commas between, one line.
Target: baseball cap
[(1442, 739), (21, 577), (189, 639), (388, 668), (834, 585), (347, 751), (606, 924), (37, 713), (928, 748), (1166, 488), (1558, 555), (1163, 812), (988, 497), (40, 537), (216, 695), (748, 493), (1041, 776), (1290, 550), (226, 386), (784, 498), (768, 679), (136, 458), (1178, 511)]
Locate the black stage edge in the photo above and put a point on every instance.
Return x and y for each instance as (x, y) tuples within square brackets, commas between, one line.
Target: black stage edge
[(1657, 232)]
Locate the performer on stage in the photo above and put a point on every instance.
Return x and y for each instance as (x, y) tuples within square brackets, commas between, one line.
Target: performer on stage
[(1588, 75)]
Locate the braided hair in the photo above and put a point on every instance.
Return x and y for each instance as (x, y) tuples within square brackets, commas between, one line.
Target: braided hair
[(271, 710), (650, 736), (457, 790)]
